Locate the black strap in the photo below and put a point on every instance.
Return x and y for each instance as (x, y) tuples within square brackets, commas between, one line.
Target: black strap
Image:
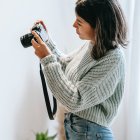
[(50, 113)]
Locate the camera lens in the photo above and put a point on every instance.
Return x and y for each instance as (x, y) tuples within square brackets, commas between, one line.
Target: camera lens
[(26, 40)]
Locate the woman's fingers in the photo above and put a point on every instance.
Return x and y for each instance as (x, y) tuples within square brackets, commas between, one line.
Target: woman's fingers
[(39, 40), (41, 22), (34, 44), (43, 25)]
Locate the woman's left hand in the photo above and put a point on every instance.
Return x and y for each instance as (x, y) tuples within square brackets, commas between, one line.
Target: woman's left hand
[(41, 49)]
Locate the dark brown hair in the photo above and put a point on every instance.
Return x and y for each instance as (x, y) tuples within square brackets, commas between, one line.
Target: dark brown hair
[(107, 18)]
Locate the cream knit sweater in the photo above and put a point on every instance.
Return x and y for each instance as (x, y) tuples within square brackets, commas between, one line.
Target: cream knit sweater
[(91, 89)]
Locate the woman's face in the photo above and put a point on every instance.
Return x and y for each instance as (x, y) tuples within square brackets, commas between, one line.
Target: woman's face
[(83, 29)]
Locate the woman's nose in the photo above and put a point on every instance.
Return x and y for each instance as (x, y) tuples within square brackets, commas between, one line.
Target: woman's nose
[(75, 24)]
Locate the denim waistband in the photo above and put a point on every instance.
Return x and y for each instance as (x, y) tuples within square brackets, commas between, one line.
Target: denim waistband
[(70, 118)]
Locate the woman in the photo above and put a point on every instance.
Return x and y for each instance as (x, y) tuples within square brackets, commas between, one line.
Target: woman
[(89, 83)]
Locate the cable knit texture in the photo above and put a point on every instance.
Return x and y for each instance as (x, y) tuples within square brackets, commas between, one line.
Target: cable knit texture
[(91, 89)]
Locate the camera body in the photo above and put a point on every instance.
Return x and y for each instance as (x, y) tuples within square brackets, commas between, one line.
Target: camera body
[(39, 29)]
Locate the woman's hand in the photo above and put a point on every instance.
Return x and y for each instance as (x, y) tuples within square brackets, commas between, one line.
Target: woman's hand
[(41, 49), (41, 22)]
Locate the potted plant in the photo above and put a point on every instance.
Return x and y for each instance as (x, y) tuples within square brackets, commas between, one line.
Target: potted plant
[(44, 136)]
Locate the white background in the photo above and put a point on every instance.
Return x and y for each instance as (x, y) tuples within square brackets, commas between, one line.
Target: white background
[(22, 105)]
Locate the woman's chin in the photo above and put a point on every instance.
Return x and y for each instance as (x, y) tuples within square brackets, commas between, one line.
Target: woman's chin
[(81, 37)]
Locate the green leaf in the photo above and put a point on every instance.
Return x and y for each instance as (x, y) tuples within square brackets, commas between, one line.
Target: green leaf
[(44, 136), (39, 136), (46, 133)]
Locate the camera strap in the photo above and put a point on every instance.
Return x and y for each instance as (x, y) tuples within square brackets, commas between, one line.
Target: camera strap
[(46, 96)]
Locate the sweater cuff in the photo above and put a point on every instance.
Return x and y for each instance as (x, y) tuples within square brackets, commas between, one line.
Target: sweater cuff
[(48, 59)]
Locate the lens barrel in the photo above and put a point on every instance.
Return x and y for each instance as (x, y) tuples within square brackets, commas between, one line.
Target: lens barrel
[(26, 40)]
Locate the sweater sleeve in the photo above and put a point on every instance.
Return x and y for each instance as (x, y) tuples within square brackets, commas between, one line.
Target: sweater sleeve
[(62, 58), (95, 87)]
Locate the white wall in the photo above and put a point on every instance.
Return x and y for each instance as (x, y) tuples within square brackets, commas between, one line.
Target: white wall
[(22, 106)]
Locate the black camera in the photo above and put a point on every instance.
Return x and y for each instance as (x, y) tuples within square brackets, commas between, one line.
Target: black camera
[(39, 29)]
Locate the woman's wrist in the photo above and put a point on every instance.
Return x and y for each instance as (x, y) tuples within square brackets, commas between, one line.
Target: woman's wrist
[(51, 58)]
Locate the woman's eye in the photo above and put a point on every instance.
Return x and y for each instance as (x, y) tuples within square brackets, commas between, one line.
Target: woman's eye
[(79, 24)]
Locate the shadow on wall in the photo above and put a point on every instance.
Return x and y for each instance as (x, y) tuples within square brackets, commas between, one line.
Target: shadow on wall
[(32, 116)]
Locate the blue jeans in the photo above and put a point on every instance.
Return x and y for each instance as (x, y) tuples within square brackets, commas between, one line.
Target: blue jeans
[(77, 128)]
